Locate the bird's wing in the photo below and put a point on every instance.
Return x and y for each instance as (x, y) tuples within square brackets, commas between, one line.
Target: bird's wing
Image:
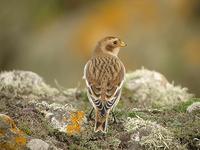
[(104, 78)]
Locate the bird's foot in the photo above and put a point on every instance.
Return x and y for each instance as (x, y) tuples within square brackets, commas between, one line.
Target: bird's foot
[(89, 118), (114, 121)]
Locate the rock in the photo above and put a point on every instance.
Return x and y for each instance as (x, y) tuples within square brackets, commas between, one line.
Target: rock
[(37, 144), (11, 138), (149, 135), (65, 118), (55, 118), (67, 95), (194, 107), (197, 142), (151, 88), (23, 83)]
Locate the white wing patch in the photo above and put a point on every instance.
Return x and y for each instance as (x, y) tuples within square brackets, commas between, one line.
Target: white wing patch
[(84, 72)]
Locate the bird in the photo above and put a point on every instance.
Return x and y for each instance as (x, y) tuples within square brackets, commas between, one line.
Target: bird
[(104, 74)]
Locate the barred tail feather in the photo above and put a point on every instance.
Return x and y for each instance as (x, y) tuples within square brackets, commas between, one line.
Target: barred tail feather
[(101, 122)]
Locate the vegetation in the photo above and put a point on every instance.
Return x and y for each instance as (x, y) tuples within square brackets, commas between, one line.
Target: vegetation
[(59, 117)]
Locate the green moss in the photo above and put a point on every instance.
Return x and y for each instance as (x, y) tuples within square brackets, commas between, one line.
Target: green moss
[(24, 127), (185, 127), (47, 126), (174, 123), (187, 131), (76, 147), (181, 107), (83, 95), (132, 114)]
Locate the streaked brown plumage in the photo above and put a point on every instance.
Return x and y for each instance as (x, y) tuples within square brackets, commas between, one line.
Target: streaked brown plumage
[(104, 74)]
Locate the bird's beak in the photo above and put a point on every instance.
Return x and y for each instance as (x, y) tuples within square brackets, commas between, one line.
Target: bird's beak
[(122, 44)]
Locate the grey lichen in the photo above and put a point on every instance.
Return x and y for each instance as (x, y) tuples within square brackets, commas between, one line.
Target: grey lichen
[(151, 88), (58, 116), (150, 135), (194, 107), (23, 83)]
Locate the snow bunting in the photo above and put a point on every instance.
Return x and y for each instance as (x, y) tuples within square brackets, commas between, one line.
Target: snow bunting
[(104, 75)]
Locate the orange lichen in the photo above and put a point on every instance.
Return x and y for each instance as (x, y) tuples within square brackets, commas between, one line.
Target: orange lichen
[(17, 140), (80, 114), (76, 120), (20, 140), (10, 122), (16, 131), (73, 129)]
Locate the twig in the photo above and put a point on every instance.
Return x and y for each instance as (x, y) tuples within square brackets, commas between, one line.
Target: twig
[(147, 110), (60, 88)]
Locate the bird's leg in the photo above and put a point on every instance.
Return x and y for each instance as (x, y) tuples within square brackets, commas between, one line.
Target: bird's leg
[(114, 117), (90, 114)]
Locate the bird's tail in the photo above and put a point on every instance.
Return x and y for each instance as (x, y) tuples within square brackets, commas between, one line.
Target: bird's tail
[(101, 121)]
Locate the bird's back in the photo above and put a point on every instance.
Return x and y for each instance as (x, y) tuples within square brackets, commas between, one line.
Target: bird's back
[(104, 74)]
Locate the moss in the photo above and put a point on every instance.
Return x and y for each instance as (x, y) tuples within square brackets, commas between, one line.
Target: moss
[(132, 114), (157, 129), (185, 127), (186, 132), (83, 96), (182, 107), (76, 147), (95, 141), (48, 127), (24, 127)]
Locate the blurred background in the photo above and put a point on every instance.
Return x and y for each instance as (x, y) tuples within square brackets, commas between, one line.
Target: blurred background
[(55, 38)]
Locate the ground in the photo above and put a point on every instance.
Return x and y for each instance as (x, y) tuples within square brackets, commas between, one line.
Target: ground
[(152, 114)]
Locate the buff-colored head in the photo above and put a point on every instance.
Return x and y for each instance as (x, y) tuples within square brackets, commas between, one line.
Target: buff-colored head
[(109, 45)]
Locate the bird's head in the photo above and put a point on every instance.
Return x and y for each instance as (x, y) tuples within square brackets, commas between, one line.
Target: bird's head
[(109, 45)]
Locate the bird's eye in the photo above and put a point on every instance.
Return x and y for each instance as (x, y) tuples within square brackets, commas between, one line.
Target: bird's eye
[(115, 42)]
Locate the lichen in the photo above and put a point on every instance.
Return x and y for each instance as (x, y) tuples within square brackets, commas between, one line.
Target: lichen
[(194, 107), (23, 83), (58, 116), (11, 137), (152, 89), (76, 119), (65, 118), (150, 135), (183, 106)]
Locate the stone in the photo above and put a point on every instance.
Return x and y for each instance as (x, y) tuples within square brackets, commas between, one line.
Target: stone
[(37, 144), (64, 118), (11, 138), (151, 88), (194, 107), (24, 83), (150, 135)]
